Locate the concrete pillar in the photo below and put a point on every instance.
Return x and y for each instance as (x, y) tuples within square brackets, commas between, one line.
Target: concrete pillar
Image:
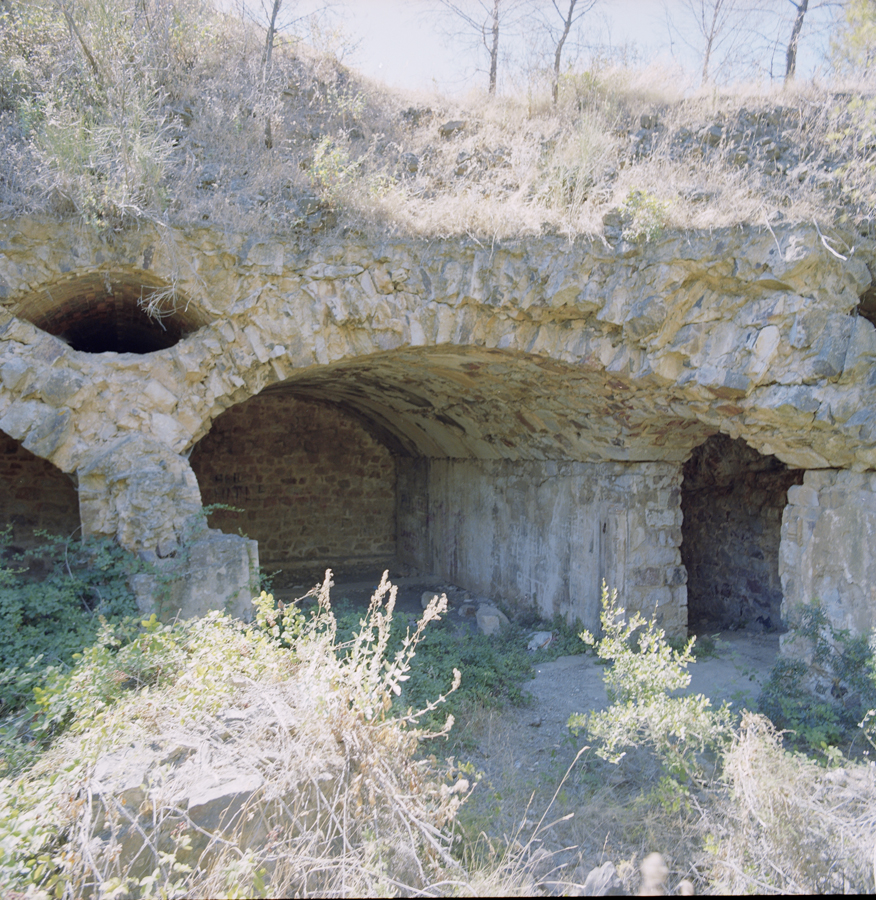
[(827, 550), (139, 492)]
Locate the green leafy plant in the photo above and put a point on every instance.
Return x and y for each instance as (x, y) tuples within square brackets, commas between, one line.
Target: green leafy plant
[(823, 700), (332, 169), (648, 216), (645, 672), (54, 600)]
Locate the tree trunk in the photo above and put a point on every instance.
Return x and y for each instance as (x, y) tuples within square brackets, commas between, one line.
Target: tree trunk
[(791, 57), (269, 40), (266, 65), (494, 48), (567, 27)]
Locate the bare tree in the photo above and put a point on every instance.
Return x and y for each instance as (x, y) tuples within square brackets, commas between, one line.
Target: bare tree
[(725, 34), (484, 21), (558, 20), (269, 39), (801, 6)]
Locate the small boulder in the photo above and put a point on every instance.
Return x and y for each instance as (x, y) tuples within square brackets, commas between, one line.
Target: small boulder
[(491, 620), (604, 882), (539, 640), (448, 129), (427, 598), (713, 134)]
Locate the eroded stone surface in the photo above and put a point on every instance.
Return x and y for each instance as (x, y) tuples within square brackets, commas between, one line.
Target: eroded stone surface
[(537, 353), (827, 552), (634, 352)]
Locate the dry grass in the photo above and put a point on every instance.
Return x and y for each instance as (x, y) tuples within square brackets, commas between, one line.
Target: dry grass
[(188, 143), (340, 797)]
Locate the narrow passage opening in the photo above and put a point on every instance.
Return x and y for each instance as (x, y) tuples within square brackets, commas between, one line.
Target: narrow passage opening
[(732, 501)]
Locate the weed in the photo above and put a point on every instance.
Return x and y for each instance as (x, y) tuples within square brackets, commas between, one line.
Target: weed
[(648, 216), (55, 599), (823, 696), (645, 671)]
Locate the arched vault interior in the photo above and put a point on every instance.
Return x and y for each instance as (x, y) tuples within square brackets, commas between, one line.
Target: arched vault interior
[(514, 476), (34, 496), (475, 403), (732, 500)]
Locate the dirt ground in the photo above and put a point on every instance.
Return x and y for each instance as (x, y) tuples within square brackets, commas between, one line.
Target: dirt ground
[(533, 786)]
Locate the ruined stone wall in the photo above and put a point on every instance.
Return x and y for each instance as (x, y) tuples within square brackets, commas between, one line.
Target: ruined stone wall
[(732, 501), (828, 550), (34, 495), (313, 484), (458, 357), (545, 534)]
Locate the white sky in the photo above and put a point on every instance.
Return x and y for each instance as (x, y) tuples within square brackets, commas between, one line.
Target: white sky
[(400, 43)]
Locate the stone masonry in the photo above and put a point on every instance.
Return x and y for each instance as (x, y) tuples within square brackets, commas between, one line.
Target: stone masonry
[(732, 504), (311, 483), (35, 496), (475, 369)]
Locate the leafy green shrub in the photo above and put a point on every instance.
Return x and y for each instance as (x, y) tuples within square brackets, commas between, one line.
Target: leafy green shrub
[(822, 702), (46, 617), (648, 216), (645, 672)]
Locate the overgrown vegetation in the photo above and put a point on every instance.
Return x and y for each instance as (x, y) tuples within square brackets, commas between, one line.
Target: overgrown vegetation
[(332, 735), (824, 694), (495, 667), (118, 112), (55, 598), (325, 717), (642, 684), (758, 818)]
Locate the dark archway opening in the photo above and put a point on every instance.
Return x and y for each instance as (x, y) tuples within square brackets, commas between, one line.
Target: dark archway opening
[(732, 501), (34, 496), (315, 487), (112, 312)]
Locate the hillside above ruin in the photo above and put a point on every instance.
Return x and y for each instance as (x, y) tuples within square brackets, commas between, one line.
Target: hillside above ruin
[(131, 120)]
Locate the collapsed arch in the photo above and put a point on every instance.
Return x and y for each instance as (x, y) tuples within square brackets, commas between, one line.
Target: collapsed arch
[(112, 311)]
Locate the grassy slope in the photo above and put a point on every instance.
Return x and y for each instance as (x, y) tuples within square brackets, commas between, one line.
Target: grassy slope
[(177, 120)]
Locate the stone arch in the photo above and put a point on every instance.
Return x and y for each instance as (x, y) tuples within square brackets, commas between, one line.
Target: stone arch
[(117, 310), (34, 496), (732, 501), (511, 474)]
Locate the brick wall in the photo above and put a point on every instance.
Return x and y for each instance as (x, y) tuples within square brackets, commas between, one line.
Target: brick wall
[(34, 495), (732, 500), (314, 485)]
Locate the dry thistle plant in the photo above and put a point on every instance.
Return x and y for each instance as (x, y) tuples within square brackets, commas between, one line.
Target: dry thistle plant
[(316, 787)]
